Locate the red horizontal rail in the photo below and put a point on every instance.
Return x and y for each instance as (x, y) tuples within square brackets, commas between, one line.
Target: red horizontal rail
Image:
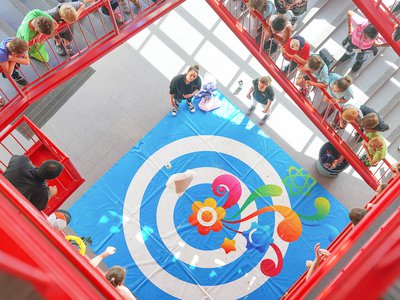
[(375, 267)]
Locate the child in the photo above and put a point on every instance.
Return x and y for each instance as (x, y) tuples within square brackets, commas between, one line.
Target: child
[(340, 90), (362, 39), (298, 7), (36, 27), (297, 51), (375, 148), (116, 276), (261, 92), (13, 51), (318, 69), (184, 87), (67, 13)]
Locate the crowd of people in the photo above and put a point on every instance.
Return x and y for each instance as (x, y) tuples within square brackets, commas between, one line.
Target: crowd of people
[(361, 42)]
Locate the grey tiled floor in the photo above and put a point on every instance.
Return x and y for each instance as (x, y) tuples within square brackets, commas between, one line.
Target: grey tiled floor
[(128, 95)]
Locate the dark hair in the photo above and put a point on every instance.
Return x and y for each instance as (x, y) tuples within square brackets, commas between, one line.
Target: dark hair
[(44, 25), (344, 83), (66, 214), (279, 23), (195, 68), (356, 214), (18, 45), (370, 31), (116, 275), (50, 169), (315, 62)]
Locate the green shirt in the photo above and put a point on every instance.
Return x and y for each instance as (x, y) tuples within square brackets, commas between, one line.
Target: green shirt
[(377, 154), (24, 32)]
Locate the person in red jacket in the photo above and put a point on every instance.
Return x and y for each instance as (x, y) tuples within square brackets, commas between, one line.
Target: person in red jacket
[(297, 51)]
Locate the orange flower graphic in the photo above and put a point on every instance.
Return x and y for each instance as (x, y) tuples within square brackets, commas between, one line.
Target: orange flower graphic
[(207, 216)]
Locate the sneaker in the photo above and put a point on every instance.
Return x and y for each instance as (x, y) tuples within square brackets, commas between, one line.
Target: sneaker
[(136, 3), (250, 111), (19, 79), (304, 91), (263, 120), (68, 50), (396, 8), (119, 17), (191, 107), (124, 6), (356, 66), (174, 111), (345, 58), (396, 34), (59, 49)]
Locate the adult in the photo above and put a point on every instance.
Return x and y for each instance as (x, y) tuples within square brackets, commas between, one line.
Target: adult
[(31, 180), (184, 87), (116, 276), (362, 39), (261, 92)]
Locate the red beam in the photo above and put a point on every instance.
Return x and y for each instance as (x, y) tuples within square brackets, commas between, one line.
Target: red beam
[(59, 260), (375, 266), (381, 21), (346, 240), (293, 93)]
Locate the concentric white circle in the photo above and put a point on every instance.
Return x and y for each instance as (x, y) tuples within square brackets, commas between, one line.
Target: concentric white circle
[(133, 202)]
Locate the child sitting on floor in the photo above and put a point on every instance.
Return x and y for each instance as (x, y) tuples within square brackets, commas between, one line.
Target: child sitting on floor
[(13, 51)]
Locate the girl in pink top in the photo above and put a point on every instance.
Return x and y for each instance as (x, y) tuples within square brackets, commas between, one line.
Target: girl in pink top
[(362, 39)]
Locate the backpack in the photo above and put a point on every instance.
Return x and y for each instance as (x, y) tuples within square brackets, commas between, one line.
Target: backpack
[(326, 57)]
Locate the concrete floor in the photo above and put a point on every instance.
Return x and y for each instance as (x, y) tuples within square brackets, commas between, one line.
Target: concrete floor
[(128, 95)]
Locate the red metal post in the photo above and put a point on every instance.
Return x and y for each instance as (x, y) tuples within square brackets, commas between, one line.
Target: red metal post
[(379, 18), (67, 269), (292, 92)]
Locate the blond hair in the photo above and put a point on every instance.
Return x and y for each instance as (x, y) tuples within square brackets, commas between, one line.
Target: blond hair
[(376, 142), (265, 79), (68, 13), (350, 114), (258, 5), (195, 68)]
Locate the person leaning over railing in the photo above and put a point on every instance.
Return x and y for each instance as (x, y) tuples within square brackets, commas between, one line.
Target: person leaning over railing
[(35, 29), (116, 276), (13, 51), (318, 69), (297, 51), (340, 90), (375, 148), (69, 14)]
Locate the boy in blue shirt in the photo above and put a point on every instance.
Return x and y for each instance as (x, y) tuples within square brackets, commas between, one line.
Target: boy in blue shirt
[(13, 51)]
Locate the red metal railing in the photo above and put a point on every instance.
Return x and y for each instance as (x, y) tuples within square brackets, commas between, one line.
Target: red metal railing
[(44, 77), (37, 249), (375, 267), (381, 16), (24, 137), (246, 29), (346, 240)]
